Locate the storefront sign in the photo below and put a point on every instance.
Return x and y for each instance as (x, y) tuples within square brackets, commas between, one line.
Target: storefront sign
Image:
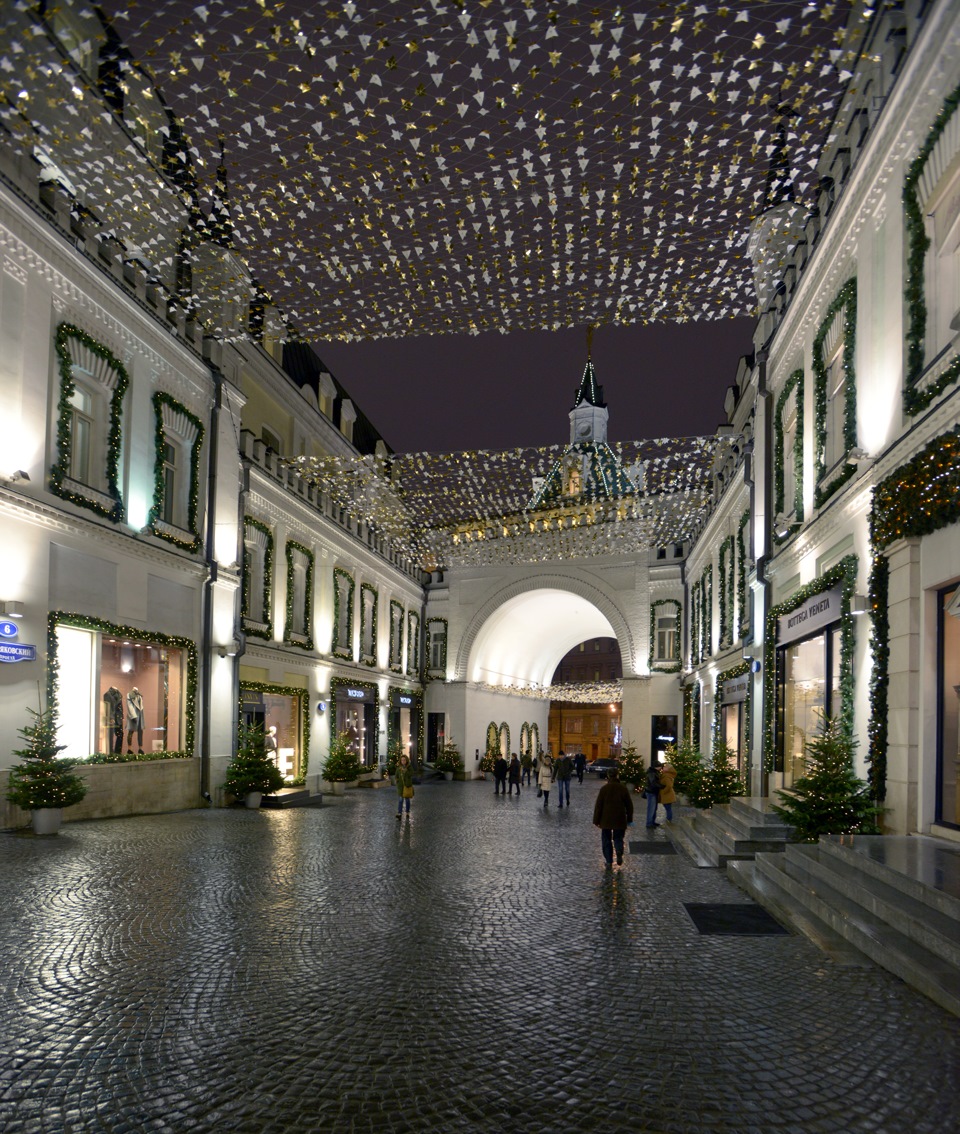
[(17, 651), (735, 690), (818, 611), (352, 693), (8, 629), (402, 700)]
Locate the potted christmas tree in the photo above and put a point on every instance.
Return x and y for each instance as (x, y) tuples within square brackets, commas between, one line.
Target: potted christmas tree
[(44, 783), (252, 773), (342, 765), (448, 760)]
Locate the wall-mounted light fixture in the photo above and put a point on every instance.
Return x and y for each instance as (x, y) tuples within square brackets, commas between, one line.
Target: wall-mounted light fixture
[(20, 474), (859, 604), (230, 650), (858, 456), (781, 526), (11, 609), (321, 706)]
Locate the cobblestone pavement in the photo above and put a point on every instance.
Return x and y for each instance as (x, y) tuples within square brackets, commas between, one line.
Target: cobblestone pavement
[(473, 968)]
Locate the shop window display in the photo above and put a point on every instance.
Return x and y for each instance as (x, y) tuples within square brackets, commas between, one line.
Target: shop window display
[(141, 697), (948, 773), (809, 692)]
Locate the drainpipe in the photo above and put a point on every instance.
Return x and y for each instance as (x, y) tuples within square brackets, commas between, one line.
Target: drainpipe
[(765, 401), (206, 634)]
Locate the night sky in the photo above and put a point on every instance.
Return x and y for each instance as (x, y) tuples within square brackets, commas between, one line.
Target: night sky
[(451, 392)]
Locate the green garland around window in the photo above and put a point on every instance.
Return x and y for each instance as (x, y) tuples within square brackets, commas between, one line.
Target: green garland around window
[(369, 659), (258, 525), (413, 643), (665, 665), (793, 383), (695, 697), (161, 399), (442, 667), (524, 738), (737, 670), (505, 732), (846, 305), (62, 618), (391, 737), (687, 712), (695, 610), (917, 244), (396, 636), (706, 616), (493, 738), (920, 497), (341, 649), (304, 702), (845, 573), (742, 574), (61, 470), (338, 683), (288, 631), (725, 572)]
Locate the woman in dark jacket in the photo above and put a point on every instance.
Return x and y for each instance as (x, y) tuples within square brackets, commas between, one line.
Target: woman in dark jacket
[(404, 778), (513, 774), (613, 813), (652, 788)]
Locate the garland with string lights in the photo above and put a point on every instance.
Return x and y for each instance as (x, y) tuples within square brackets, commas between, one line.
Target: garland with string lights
[(845, 574), (793, 383), (60, 471), (303, 700), (288, 632), (369, 657), (920, 497), (493, 741), (695, 609), (695, 695), (729, 675), (155, 516), (442, 667), (742, 573), (396, 636), (338, 683), (706, 616), (254, 631), (725, 573), (505, 732), (671, 664), (340, 649), (918, 242), (83, 622), (845, 307)]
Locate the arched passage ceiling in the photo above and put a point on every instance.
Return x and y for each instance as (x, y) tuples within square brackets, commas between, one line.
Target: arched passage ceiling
[(523, 641), (399, 168)]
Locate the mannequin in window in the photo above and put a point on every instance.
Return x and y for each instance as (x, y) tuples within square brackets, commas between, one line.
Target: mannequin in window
[(113, 699), (270, 742), (135, 719)]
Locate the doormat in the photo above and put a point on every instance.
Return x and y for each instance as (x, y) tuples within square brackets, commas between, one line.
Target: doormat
[(734, 919), (652, 848)]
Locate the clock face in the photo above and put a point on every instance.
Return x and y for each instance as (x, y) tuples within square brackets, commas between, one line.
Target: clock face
[(584, 429)]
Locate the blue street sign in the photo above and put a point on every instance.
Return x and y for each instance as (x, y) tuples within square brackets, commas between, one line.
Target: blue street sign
[(17, 651), (8, 629)]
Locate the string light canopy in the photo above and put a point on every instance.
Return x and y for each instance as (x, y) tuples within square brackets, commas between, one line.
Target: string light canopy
[(398, 168), (480, 508)]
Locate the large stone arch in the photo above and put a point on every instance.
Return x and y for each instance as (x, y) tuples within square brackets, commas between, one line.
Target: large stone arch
[(588, 591)]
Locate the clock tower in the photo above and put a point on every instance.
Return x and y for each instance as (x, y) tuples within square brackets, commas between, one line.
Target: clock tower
[(588, 418)]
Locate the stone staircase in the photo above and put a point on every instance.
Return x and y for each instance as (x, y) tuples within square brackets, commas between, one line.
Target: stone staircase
[(292, 797), (894, 899), (731, 831)]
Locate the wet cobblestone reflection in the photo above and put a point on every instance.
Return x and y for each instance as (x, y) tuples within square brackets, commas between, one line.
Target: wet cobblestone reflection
[(474, 968)]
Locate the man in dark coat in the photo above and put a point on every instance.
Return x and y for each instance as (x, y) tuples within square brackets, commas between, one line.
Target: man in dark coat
[(580, 765), (500, 769), (563, 770), (613, 813)]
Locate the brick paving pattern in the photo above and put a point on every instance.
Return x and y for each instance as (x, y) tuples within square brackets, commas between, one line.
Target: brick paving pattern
[(472, 969)]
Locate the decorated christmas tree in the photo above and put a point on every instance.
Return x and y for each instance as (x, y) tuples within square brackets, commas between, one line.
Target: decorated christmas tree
[(829, 799), (721, 780), (688, 762), (43, 779), (630, 765), (252, 769), (343, 764)]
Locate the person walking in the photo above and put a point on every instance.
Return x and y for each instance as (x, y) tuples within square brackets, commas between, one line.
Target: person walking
[(513, 774), (404, 778), (500, 775), (580, 766), (526, 763), (545, 777), (563, 771), (668, 797), (613, 813), (652, 792)]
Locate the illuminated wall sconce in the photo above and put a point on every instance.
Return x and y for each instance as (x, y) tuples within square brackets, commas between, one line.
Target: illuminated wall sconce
[(858, 456), (230, 650), (11, 609), (20, 474), (781, 526), (859, 604)]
